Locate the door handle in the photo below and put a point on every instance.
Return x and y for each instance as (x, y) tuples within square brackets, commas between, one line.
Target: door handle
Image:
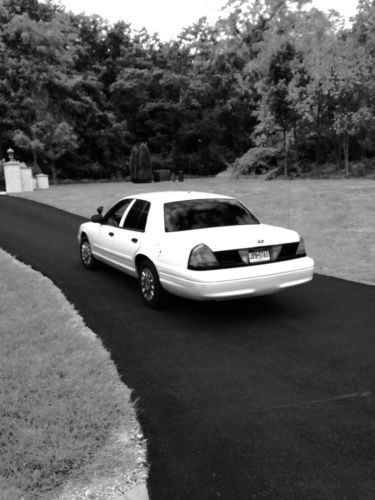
[(111, 234), (134, 240)]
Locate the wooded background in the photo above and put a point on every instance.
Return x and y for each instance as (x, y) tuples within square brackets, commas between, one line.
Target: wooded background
[(77, 93)]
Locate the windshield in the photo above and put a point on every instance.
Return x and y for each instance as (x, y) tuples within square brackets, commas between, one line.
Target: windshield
[(200, 214)]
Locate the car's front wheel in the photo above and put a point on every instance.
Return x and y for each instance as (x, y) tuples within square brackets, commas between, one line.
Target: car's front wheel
[(87, 258), (151, 290)]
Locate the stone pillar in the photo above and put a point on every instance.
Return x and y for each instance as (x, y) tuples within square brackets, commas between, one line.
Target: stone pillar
[(26, 178), (42, 181), (12, 174)]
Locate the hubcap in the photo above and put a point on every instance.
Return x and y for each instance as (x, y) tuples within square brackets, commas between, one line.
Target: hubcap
[(86, 252), (147, 284)]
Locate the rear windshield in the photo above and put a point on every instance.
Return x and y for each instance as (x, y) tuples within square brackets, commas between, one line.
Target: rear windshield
[(200, 214)]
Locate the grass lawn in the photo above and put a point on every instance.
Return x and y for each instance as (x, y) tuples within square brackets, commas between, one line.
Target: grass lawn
[(66, 423), (336, 217)]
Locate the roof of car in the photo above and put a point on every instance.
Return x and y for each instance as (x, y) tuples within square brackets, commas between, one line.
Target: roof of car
[(170, 196)]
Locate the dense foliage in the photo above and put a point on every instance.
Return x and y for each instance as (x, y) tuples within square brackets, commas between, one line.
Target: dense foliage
[(77, 94)]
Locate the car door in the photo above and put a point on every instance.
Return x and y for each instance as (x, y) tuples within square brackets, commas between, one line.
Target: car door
[(110, 231), (133, 232)]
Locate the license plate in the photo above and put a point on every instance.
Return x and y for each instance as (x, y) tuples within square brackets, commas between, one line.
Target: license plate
[(261, 256)]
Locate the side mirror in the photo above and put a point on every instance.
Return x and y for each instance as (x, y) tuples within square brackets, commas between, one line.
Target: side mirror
[(97, 218)]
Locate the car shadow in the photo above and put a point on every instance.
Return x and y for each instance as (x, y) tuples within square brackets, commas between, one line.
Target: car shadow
[(293, 303), (286, 304)]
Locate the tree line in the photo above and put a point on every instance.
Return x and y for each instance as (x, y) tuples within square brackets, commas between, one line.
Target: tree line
[(78, 93)]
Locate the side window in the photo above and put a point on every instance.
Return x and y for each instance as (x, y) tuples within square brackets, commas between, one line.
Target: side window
[(114, 215), (137, 216)]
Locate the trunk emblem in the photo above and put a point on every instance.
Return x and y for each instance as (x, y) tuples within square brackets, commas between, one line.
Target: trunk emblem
[(260, 241)]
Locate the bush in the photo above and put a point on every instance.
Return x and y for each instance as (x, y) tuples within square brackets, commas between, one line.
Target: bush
[(133, 163), (358, 169), (144, 164), (257, 161), (140, 164)]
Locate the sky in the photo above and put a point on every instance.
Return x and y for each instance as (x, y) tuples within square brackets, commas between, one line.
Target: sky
[(168, 17)]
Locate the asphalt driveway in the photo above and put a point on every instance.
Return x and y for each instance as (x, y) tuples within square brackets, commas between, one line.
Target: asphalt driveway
[(263, 398)]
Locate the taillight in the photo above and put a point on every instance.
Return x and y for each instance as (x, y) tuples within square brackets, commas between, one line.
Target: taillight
[(301, 249), (202, 257)]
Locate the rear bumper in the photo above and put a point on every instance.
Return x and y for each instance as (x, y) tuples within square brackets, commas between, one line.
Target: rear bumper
[(239, 282)]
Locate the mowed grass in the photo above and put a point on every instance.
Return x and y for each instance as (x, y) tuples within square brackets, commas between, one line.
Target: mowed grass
[(336, 217), (66, 421)]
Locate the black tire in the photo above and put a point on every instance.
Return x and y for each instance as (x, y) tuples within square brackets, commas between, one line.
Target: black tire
[(151, 290), (87, 258)]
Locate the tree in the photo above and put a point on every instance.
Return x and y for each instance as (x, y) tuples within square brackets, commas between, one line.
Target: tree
[(275, 71), (57, 140), (315, 40), (49, 140), (352, 82), (266, 73), (280, 78), (24, 142)]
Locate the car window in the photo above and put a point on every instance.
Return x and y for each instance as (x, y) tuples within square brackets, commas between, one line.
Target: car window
[(137, 216), (114, 215), (199, 214)]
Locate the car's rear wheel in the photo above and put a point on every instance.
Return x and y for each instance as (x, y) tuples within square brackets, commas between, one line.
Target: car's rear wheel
[(87, 258), (149, 284)]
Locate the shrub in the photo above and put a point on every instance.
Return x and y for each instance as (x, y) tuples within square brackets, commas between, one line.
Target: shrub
[(140, 164), (358, 169), (133, 163), (144, 164), (257, 161)]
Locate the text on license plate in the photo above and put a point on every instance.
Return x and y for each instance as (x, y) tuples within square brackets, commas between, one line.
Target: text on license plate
[(261, 256)]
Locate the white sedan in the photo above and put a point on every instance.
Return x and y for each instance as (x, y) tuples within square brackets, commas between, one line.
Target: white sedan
[(201, 246)]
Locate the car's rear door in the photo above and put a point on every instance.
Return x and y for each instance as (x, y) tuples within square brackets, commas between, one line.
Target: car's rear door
[(133, 232)]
